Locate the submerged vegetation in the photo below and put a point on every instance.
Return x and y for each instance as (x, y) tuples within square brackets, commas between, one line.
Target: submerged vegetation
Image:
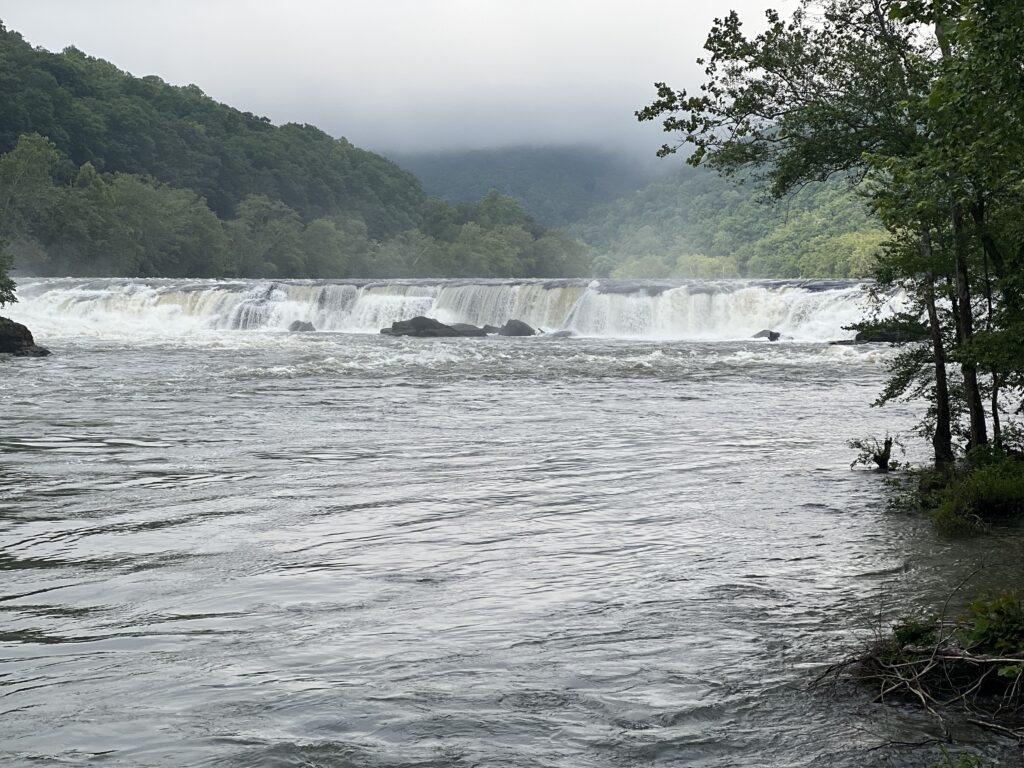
[(973, 663), (921, 103)]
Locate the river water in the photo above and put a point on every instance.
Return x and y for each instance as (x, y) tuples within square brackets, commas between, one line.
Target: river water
[(226, 545)]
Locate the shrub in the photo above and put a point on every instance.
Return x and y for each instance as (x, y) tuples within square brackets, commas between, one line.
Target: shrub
[(993, 489)]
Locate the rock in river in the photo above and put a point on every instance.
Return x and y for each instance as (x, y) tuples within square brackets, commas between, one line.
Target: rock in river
[(16, 339), (516, 328), (427, 327)]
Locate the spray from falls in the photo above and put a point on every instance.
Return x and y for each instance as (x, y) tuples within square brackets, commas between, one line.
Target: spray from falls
[(686, 310)]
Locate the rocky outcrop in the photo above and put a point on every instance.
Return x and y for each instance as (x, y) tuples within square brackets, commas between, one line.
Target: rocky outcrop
[(516, 328), (301, 326), (893, 336), (899, 329), (766, 334), (427, 327), (16, 339), (466, 329)]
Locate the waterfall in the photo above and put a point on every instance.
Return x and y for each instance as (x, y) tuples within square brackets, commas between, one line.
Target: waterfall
[(647, 309)]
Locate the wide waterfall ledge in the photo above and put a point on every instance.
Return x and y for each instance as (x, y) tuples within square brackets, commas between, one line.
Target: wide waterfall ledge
[(697, 310)]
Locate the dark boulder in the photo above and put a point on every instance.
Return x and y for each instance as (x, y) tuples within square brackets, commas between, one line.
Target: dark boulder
[(516, 328), (16, 339), (301, 326), (898, 329), (465, 329), (888, 333), (896, 336), (766, 334), (427, 327)]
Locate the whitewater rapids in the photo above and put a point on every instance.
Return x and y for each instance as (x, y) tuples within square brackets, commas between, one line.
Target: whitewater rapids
[(804, 311)]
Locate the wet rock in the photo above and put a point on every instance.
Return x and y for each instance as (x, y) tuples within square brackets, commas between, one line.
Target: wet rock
[(895, 332), (16, 339), (516, 328), (466, 329), (898, 329), (766, 334), (301, 326), (893, 336), (427, 327)]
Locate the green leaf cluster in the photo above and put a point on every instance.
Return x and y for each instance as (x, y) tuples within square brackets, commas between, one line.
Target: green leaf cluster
[(994, 626)]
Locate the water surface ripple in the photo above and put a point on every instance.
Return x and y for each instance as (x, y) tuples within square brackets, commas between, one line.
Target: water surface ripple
[(270, 550)]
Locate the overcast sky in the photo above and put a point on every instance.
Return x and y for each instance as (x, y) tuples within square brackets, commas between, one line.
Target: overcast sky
[(406, 74)]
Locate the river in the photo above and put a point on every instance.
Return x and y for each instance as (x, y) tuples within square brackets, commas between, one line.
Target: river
[(224, 544)]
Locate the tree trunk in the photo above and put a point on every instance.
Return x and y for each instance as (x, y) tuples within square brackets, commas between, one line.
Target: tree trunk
[(972, 393), (942, 440), (994, 253), (997, 430)]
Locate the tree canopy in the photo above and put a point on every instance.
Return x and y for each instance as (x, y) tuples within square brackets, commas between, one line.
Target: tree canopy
[(923, 101)]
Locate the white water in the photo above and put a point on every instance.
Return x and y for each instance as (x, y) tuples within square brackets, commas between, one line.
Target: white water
[(684, 310)]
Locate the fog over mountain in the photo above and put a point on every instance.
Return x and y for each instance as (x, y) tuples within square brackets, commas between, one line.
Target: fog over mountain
[(406, 75)]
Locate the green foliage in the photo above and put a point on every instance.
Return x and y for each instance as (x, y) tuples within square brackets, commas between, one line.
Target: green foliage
[(915, 631), (876, 453), (700, 225), (992, 489), (921, 102), (93, 112), (961, 760), (994, 626), (6, 284), (557, 185)]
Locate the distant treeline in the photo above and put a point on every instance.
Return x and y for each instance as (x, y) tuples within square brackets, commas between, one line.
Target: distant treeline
[(695, 223), (105, 173), (689, 223), (557, 185)]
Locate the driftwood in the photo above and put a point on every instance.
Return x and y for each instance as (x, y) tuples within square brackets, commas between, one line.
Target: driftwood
[(944, 679)]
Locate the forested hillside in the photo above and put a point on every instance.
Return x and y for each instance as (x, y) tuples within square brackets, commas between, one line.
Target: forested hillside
[(694, 223), (557, 185), (685, 223), (105, 173), (95, 113)]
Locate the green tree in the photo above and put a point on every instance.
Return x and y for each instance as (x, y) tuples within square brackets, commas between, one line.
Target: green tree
[(6, 283), (925, 99), (843, 86), (266, 239)]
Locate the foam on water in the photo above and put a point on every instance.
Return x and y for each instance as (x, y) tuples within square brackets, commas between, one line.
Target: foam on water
[(118, 308)]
